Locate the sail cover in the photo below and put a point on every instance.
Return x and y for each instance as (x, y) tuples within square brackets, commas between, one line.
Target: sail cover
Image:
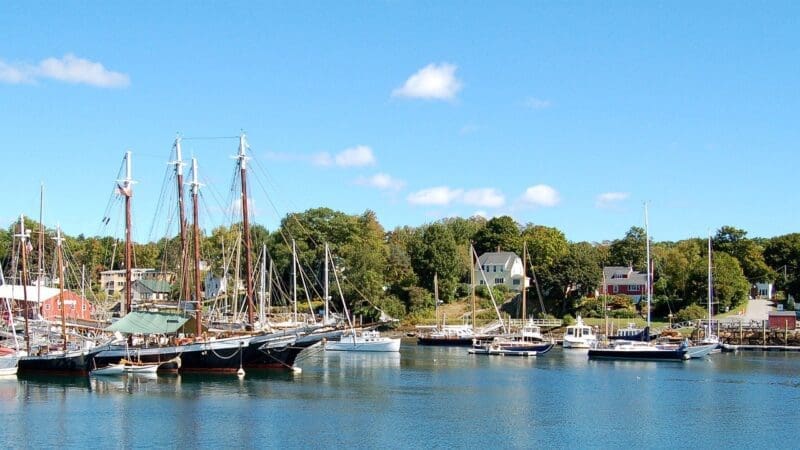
[(138, 322)]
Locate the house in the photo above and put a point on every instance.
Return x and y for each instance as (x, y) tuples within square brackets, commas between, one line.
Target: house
[(622, 280), (783, 319), (45, 302), (113, 281), (495, 268), (147, 290), (762, 290)]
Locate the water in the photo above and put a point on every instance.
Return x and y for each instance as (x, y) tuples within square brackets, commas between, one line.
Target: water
[(426, 397)]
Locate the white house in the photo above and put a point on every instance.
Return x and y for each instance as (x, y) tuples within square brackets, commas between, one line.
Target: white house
[(505, 268)]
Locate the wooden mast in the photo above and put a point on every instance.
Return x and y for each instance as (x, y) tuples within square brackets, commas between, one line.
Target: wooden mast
[(60, 257), (23, 238), (178, 163), (196, 232), (246, 232), (126, 190)]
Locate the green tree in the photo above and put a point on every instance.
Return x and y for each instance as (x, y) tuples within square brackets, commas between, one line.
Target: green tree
[(630, 250), (571, 277), (545, 245), (436, 252), (749, 253), (499, 233), (782, 253)]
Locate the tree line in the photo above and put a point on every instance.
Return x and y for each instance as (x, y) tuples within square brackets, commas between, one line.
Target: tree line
[(394, 270)]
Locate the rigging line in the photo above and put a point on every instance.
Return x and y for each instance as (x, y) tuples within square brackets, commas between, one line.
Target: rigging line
[(169, 176), (207, 138)]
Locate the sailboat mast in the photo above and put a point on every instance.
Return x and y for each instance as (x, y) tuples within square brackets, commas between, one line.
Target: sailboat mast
[(178, 163), (23, 237), (248, 280), (327, 285), (524, 279), (262, 286), (436, 297), (710, 287), (60, 258), (127, 191), (196, 232), (294, 280), (474, 258), (647, 255)]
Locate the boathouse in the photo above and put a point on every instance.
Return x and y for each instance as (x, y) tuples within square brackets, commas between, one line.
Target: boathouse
[(45, 302), (783, 319)]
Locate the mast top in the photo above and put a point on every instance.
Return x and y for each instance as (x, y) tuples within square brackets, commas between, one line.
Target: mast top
[(126, 183), (195, 184), (178, 163), (242, 156), (59, 239), (23, 233)]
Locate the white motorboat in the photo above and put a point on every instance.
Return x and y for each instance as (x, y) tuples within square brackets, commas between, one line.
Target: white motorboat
[(579, 335), (364, 341)]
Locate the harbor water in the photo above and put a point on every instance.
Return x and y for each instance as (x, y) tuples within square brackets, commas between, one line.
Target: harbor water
[(424, 397)]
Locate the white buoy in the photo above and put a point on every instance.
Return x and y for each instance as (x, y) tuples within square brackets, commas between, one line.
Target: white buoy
[(297, 370), (240, 372)]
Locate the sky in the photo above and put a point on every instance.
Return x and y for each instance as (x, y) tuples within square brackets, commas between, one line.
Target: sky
[(568, 114)]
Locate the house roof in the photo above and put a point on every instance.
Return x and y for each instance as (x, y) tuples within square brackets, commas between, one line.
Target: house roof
[(495, 258), (623, 275), (139, 322), (16, 292), (782, 313), (158, 286)]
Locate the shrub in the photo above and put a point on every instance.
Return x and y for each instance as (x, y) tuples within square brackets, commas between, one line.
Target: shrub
[(568, 319), (691, 312)]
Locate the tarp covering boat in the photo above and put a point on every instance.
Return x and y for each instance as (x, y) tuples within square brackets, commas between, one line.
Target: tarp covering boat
[(138, 322)]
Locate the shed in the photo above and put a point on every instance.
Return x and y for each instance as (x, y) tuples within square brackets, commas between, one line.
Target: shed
[(782, 319)]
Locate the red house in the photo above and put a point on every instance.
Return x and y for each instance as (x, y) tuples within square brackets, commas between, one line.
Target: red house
[(45, 302), (620, 280)]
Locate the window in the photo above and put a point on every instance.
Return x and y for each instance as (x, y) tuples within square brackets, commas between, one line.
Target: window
[(499, 281), (83, 307), (47, 306), (515, 282), (616, 289), (634, 288)]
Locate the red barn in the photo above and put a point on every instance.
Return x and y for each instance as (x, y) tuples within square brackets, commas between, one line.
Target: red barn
[(783, 319), (45, 302)]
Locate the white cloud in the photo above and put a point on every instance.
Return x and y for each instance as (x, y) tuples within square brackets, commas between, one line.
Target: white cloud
[(381, 181), (321, 159), (11, 74), (355, 157), (441, 195), (352, 157), (610, 199), (487, 198), (434, 81), (469, 129), (69, 69), (541, 195), (537, 103)]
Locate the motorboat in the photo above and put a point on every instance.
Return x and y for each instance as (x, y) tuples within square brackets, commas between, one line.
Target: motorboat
[(579, 335)]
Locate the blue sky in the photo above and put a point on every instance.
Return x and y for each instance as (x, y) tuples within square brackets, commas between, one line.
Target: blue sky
[(566, 114)]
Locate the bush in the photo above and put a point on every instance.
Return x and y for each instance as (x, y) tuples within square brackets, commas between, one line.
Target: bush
[(567, 320), (691, 312), (463, 290)]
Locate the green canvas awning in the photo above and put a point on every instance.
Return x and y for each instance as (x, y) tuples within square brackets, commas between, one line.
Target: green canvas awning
[(138, 322)]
